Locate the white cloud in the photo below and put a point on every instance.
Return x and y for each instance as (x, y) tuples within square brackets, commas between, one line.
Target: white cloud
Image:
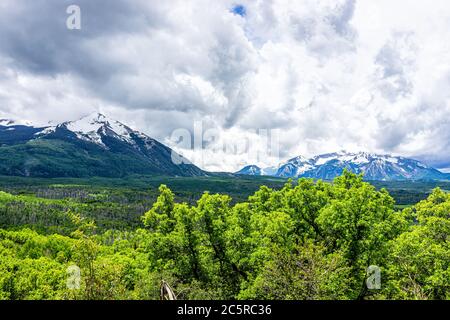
[(329, 75)]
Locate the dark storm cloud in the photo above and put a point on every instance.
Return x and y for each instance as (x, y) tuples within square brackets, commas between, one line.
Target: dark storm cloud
[(35, 40), (35, 36)]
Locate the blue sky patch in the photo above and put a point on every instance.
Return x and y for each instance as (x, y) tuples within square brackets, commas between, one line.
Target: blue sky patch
[(239, 9)]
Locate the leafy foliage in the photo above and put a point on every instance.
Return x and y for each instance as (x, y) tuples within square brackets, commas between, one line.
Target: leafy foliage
[(306, 240)]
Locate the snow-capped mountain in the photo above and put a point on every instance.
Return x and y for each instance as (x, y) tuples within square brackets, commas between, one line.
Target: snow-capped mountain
[(95, 127), (251, 170), (92, 145), (254, 170), (373, 166)]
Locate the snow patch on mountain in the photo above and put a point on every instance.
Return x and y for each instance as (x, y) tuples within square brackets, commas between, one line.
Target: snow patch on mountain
[(45, 131), (94, 127), (12, 123), (251, 170)]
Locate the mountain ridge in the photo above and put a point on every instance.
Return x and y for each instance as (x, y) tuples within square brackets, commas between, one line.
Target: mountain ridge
[(373, 166), (90, 146), (95, 145)]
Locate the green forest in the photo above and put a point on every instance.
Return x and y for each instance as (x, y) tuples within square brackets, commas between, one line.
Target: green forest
[(289, 240)]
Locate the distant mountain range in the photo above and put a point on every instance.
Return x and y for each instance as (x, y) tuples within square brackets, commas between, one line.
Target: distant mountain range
[(91, 146), (373, 166), (97, 146)]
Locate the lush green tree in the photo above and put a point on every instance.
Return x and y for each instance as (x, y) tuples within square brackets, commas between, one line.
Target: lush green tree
[(306, 273), (360, 221), (419, 266), (305, 240), (161, 216), (306, 201)]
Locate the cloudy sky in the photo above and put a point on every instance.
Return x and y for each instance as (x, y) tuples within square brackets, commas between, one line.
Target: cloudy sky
[(314, 76)]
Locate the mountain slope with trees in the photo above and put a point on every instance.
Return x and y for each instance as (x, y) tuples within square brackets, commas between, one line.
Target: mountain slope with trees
[(91, 146)]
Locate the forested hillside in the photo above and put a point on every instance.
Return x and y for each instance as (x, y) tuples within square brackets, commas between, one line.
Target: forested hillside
[(306, 240)]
